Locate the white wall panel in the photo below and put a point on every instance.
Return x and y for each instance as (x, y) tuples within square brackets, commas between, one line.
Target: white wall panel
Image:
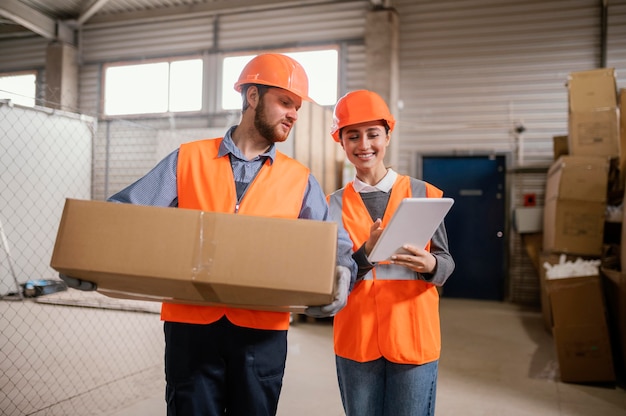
[(145, 40), (293, 25), (616, 40), (22, 53), (89, 89), (354, 76), (471, 71)]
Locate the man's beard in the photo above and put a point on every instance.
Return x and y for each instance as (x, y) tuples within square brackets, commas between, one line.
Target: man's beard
[(267, 130)]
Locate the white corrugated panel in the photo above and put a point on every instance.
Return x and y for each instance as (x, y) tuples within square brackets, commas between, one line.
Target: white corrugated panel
[(22, 53), (293, 25), (146, 40), (471, 71), (89, 89), (616, 40), (355, 71)]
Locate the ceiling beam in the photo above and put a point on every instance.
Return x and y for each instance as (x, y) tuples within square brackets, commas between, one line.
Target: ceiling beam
[(90, 10), (208, 8), (28, 17), (385, 4)]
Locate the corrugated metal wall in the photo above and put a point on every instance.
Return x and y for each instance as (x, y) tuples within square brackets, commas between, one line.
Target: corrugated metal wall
[(616, 39), (470, 71), (147, 40), (294, 25), (19, 54)]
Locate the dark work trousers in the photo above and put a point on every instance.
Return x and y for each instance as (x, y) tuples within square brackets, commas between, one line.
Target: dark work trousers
[(223, 369)]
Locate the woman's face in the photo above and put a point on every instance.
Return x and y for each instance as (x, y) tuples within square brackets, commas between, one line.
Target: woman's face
[(365, 144)]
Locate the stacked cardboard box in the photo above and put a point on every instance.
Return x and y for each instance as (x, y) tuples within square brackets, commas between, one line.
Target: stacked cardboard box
[(593, 127), (581, 334), (578, 190), (575, 204)]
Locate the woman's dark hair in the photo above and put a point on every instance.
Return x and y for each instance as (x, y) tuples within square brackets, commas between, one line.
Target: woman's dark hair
[(386, 129)]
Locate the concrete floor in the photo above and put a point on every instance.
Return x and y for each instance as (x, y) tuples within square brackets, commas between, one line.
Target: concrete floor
[(497, 359)]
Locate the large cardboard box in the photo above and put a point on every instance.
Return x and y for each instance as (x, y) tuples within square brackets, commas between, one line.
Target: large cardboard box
[(584, 354), (580, 329), (189, 256), (573, 227), (593, 127), (575, 205), (615, 296), (549, 258), (592, 90), (583, 178), (594, 133)]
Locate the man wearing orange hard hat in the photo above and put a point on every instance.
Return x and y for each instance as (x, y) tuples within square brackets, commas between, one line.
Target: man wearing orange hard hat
[(387, 339), (222, 360)]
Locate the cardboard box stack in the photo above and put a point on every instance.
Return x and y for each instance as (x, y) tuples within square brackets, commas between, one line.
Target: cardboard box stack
[(579, 188)]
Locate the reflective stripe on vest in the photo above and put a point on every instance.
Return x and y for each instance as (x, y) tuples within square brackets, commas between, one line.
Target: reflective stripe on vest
[(390, 313), (206, 182)]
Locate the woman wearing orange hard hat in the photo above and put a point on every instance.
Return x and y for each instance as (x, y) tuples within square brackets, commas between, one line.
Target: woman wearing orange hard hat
[(222, 359), (387, 338)]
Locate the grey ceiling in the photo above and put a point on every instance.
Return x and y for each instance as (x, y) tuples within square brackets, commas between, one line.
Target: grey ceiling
[(59, 19)]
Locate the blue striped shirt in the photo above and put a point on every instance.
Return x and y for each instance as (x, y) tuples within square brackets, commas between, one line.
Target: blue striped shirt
[(158, 188)]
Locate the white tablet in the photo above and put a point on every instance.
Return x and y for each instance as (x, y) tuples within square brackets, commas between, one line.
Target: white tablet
[(414, 222)]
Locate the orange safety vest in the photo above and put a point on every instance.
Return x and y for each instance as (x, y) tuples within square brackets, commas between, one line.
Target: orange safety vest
[(206, 182), (395, 319)]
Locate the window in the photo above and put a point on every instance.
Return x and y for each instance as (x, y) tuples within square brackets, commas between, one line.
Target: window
[(321, 67), (19, 88), (157, 87)]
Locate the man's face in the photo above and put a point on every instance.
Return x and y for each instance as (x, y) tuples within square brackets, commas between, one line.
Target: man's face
[(276, 114)]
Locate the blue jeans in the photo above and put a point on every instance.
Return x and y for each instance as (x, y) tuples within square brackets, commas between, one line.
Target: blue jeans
[(383, 388)]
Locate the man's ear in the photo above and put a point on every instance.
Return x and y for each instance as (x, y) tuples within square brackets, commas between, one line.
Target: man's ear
[(252, 95)]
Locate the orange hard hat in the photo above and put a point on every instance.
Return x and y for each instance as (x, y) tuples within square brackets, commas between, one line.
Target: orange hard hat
[(358, 107), (275, 70)]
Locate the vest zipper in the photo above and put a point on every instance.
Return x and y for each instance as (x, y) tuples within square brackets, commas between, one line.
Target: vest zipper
[(238, 203)]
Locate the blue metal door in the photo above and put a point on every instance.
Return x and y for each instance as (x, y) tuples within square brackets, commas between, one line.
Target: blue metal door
[(476, 222)]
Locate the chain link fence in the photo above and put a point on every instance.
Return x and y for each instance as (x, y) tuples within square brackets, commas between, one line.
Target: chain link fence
[(69, 352)]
